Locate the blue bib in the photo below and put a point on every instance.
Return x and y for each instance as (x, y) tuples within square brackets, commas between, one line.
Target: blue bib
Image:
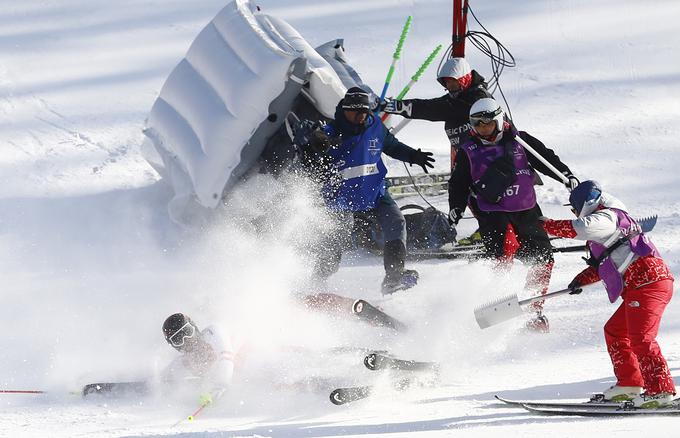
[(359, 162)]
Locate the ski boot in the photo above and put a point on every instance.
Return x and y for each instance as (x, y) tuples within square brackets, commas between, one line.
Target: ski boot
[(618, 393), (396, 277), (538, 324), (472, 239), (653, 401), (406, 279)]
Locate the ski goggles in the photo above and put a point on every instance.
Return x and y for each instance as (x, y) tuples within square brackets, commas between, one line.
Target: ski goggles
[(186, 331), (485, 117), (358, 107)]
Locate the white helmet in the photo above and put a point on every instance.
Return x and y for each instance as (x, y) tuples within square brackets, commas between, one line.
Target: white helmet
[(486, 110), (456, 68)]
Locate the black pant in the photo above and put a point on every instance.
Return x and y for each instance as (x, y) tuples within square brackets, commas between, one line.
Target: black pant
[(534, 243)]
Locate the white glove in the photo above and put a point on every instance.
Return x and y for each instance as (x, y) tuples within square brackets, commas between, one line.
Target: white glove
[(572, 181), (399, 107)]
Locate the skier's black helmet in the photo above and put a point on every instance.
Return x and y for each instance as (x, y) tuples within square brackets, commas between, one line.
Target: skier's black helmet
[(356, 99), (177, 328)]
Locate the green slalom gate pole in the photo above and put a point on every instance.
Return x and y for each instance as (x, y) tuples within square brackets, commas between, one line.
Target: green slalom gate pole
[(396, 56), (416, 76)]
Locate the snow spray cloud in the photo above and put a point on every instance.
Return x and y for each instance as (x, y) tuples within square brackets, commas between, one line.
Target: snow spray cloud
[(84, 271), (93, 277)]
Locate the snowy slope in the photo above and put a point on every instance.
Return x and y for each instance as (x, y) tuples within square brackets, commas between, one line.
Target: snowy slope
[(91, 265)]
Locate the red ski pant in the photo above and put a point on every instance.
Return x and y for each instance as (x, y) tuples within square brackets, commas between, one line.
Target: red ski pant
[(631, 338)]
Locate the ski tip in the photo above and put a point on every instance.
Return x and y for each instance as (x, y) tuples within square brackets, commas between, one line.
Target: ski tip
[(505, 400), (372, 361), (336, 398), (358, 306)]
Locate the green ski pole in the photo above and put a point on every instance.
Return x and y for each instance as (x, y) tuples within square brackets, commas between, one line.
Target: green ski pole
[(395, 57), (416, 76)]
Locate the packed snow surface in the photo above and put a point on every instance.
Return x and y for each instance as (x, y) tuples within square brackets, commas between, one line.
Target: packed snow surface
[(91, 263)]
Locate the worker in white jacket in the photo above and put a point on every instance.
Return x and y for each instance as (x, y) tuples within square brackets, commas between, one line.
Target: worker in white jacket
[(630, 266)]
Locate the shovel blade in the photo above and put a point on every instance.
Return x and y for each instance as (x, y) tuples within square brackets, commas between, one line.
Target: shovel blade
[(647, 223), (498, 311)]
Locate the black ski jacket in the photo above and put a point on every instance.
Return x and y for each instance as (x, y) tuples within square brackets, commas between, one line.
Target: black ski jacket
[(460, 184)]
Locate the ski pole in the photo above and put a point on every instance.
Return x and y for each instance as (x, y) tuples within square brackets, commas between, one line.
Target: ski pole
[(197, 411), (205, 400), (191, 416), (415, 77), (401, 125), (21, 391), (395, 57)]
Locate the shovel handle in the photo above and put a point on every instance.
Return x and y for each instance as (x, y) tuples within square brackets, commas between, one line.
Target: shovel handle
[(543, 297)]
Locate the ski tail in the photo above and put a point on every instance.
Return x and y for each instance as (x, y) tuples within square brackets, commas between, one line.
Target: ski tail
[(339, 305), (593, 410), (374, 316)]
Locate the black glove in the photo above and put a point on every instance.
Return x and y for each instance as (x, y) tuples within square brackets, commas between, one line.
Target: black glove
[(399, 107), (575, 287), (310, 137), (302, 131), (422, 159), (319, 141), (572, 181), (455, 216)]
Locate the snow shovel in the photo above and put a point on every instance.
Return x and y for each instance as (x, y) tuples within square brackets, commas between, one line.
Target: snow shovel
[(507, 308)]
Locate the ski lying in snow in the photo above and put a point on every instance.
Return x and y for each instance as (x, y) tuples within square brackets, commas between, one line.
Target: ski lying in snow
[(593, 410), (476, 251), (429, 184), (597, 401), (469, 252), (410, 374), (116, 389), (376, 317), (338, 305), (341, 396), (473, 252), (376, 361)]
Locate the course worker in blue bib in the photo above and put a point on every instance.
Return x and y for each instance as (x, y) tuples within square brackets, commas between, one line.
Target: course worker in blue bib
[(357, 182)]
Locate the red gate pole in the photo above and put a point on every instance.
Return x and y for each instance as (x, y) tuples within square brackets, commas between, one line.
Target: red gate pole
[(460, 9)]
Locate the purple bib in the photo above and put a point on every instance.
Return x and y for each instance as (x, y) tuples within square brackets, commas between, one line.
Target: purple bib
[(520, 195), (639, 244)]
